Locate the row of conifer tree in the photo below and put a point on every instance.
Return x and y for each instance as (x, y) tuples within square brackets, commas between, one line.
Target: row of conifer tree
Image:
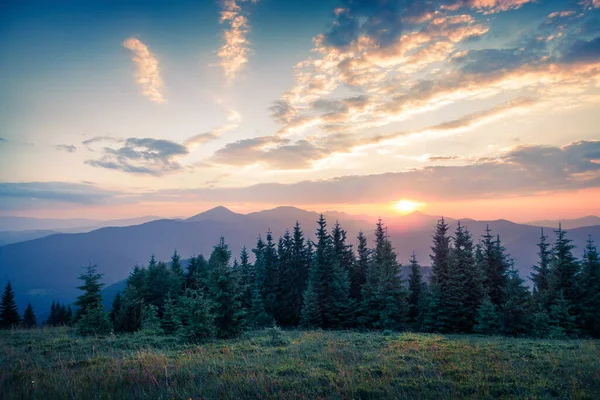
[(295, 282)]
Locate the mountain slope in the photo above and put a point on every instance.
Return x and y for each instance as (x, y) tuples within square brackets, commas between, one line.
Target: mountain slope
[(590, 220), (46, 269)]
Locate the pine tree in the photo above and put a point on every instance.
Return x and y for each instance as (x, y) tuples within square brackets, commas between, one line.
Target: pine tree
[(384, 298), (29, 320), (196, 277), (198, 320), (91, 297), (415, 286), (258, 317), (9, 314), (541, 274), (69, 316), (170, 322), (53, 316), (157, 284), (440, 269), (94, 321), (301, 260), (562, 321), (359, 271), (564, 271), (338, 306), (517, 308), (288, 277), (247, 278), (150, 320), (495, 265), (115, 311), (311, 310), (488, 321), (177, 276), (270, 284), (464, 291), (590, 284), (432, 320), (225, 293)]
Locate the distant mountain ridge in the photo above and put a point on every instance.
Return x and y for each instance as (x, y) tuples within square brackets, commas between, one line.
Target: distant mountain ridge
[(590, 220), (46, 269)]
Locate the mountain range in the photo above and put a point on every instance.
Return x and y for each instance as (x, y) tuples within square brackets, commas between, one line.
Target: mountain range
[(46, 269)]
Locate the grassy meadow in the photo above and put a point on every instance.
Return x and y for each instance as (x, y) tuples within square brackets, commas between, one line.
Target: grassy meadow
[(53, 363)]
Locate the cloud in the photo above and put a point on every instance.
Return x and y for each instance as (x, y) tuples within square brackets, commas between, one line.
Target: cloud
[(583, 51), (142, 156), (234, 51), (233, 122), (69, 148), (148, 72), (281, 153), (35, 194)]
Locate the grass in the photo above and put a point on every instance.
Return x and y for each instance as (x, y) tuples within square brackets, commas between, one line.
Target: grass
[(53, 363)]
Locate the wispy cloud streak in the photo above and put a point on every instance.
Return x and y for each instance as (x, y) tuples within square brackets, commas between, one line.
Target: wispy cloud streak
[(233, 54), (148, 72)]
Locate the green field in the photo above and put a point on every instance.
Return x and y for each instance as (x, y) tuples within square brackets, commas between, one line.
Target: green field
[(53, 363)]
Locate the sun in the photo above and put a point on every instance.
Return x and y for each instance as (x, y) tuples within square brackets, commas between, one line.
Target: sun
[(407, 206)]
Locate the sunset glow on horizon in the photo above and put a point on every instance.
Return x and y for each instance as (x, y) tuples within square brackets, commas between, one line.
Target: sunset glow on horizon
[(468, 109)]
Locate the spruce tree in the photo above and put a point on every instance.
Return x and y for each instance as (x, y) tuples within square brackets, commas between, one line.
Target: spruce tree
[(440, 268), (359, 270), (115, 311), (432, 319), (301, 260), (53, 316), (170, 322), (562, 321), (9, 314), (415, 286), (198, 320), (150, 320), (29, 320), (69, 316), (541, 274), (590, 284), (488, 320), (225, 293), (564, 271), (311, 310), (157, 284), (270, 284), (464, 291), (288, 277), (495, 265), (91, 287), (197, 274), (516, 311), (338, 306), (177, 276), (258, 317), (94, 322), (247, 278)]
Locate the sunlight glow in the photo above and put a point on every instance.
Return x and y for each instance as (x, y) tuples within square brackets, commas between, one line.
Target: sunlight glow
[(407, 206)]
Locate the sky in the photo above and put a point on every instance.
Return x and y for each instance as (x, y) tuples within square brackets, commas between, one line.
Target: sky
[(467, 108)]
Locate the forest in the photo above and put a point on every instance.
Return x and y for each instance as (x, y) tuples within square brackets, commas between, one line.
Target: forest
[(294, 282)]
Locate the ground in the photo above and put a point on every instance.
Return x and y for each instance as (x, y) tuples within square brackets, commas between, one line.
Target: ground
[(53, 363)]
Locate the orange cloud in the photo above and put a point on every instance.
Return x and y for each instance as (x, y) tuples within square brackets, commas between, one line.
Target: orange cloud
[(234, 51), (148, 73)]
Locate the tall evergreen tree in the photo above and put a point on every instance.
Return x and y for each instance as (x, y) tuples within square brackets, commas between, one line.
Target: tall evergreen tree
[(415, 288), (384, 303), (198, 320), (541, 273), (288, 276), (564, 272), (225, 293), (247, 278), (301, 260), (93, 319), (91, 287), (359, 270), (270, 284), (440, 269), (29, 320), (488, 320), (197, 274), (157, 284), (464, 291), (177, 276), (590, 283), (115, 311), (339, 307), (517, 309), (495, 265), (9, 314), (170, 322)]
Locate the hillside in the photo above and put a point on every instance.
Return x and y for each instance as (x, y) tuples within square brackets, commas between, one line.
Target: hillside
[(46, 269)]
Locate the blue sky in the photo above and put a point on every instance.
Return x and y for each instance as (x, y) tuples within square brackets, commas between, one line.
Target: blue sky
[(172, 107)]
